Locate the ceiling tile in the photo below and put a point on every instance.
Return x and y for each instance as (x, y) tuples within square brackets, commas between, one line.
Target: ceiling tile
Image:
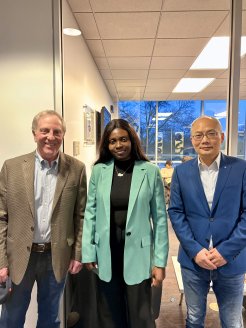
[(80, 5), (96, 48), (101, 63), (117, 48), (180, 96), (138, 90), (181, 5), (106, 74), (126, 5), (171, 62), (87, 25), (129, 62), (130, 83), (220, 83), (179, 47), (224, 28), (169, 83), (243, 72), (131, 95), (190, 24), (129, 74), (156, 95), (127, 25), (110, 85), (204, 73), (166, 73)]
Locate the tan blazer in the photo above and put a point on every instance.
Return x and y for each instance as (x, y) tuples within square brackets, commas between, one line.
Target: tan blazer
[(17, 214)]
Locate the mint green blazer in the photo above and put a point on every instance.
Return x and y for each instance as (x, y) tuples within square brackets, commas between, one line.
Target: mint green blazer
[(146, 234)]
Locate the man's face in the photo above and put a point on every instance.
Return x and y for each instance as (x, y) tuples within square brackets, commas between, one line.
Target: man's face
[(211, 137), (48, 136)]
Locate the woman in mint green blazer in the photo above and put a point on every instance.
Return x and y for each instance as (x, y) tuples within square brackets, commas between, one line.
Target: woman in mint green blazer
[(125, 238)]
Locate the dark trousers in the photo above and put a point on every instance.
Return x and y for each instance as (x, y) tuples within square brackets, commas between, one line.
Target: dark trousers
[(124, 306), (121, 305), (49, 292)]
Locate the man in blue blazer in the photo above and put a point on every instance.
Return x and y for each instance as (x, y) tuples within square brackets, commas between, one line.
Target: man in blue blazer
[(208, 214)]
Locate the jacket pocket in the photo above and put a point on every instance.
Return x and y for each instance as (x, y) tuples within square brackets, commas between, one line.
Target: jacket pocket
[(146, 241)]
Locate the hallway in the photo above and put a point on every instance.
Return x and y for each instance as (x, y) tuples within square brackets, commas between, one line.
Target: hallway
[(171, 314)]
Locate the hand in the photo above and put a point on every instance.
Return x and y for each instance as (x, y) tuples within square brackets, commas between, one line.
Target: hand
[(158, 275), (4, 272), (216, 258), (75, 266), (91, 266), (202, 259)]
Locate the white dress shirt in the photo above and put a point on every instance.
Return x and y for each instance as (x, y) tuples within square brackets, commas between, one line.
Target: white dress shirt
[(209, 176)]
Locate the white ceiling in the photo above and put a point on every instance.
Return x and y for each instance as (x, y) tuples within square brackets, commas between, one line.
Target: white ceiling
[(144, 47)]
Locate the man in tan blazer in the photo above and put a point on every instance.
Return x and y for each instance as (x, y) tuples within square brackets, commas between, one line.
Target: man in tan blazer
[(42, 201)]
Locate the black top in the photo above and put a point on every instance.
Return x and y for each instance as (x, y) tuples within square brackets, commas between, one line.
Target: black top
[(120, 192)]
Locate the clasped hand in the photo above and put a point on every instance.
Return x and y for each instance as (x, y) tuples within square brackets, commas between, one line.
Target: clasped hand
[(209, 259)]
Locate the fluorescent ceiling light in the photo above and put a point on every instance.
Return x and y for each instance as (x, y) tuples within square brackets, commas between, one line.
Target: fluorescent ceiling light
[(215, 54), (71, 31), (192, 84)]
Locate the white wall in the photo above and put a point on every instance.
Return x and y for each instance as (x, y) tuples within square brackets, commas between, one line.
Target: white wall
[(83, 85), (26, 66)]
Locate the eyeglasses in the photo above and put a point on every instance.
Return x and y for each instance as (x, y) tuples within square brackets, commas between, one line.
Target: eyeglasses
[(210, 135)]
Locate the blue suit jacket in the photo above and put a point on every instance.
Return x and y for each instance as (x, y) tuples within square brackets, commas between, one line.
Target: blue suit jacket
[(194, 222), (146, 238)]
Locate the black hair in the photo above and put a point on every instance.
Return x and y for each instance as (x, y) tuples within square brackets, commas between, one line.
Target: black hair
[(105, 155)]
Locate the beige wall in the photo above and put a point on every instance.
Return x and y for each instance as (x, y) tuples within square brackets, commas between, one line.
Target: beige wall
[(26, 66), (83, 85)]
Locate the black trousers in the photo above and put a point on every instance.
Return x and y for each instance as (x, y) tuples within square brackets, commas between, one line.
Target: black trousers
[(121, 305)]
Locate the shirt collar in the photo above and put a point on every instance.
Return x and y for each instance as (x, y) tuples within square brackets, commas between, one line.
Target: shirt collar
[(44, 163), (215, 165)]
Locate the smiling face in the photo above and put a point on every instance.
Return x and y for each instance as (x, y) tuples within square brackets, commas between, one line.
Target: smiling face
[(208, 147), (48, 136), (120, 144)]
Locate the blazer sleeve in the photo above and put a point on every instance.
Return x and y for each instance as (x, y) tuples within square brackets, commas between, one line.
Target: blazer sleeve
[(88, 245), (232, 246), (179, 221), (159, 218), (79, 211), (3, 217)]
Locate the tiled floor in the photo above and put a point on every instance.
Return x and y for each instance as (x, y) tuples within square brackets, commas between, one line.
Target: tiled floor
[(171, 314)]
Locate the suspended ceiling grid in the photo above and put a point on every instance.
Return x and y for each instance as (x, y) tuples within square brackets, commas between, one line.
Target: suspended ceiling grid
[(142, 48)]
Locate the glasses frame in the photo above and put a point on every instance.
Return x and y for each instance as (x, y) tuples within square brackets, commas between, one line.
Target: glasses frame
[(199, 138)]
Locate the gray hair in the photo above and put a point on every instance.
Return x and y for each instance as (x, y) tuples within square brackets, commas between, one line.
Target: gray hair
[(47, 113)]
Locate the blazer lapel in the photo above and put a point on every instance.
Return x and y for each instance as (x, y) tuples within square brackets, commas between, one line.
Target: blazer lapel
[(28, 168), (138, 174), (107, 176), (224, 171), (63, 171)]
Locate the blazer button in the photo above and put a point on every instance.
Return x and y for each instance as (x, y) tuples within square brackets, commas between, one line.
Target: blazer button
[(28, 248), (128, 233), (211, 219), (32, 228)]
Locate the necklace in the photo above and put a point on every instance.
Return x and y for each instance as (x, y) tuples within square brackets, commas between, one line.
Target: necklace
[(121, 174)]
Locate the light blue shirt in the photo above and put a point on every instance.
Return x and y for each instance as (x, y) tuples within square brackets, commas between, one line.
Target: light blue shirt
[(44, 190)]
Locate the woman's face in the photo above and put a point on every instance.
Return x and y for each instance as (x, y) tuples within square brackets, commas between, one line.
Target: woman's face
[(120, 144)]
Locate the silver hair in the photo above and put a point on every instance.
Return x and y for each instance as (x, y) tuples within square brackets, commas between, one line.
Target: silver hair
[(47, 113)]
